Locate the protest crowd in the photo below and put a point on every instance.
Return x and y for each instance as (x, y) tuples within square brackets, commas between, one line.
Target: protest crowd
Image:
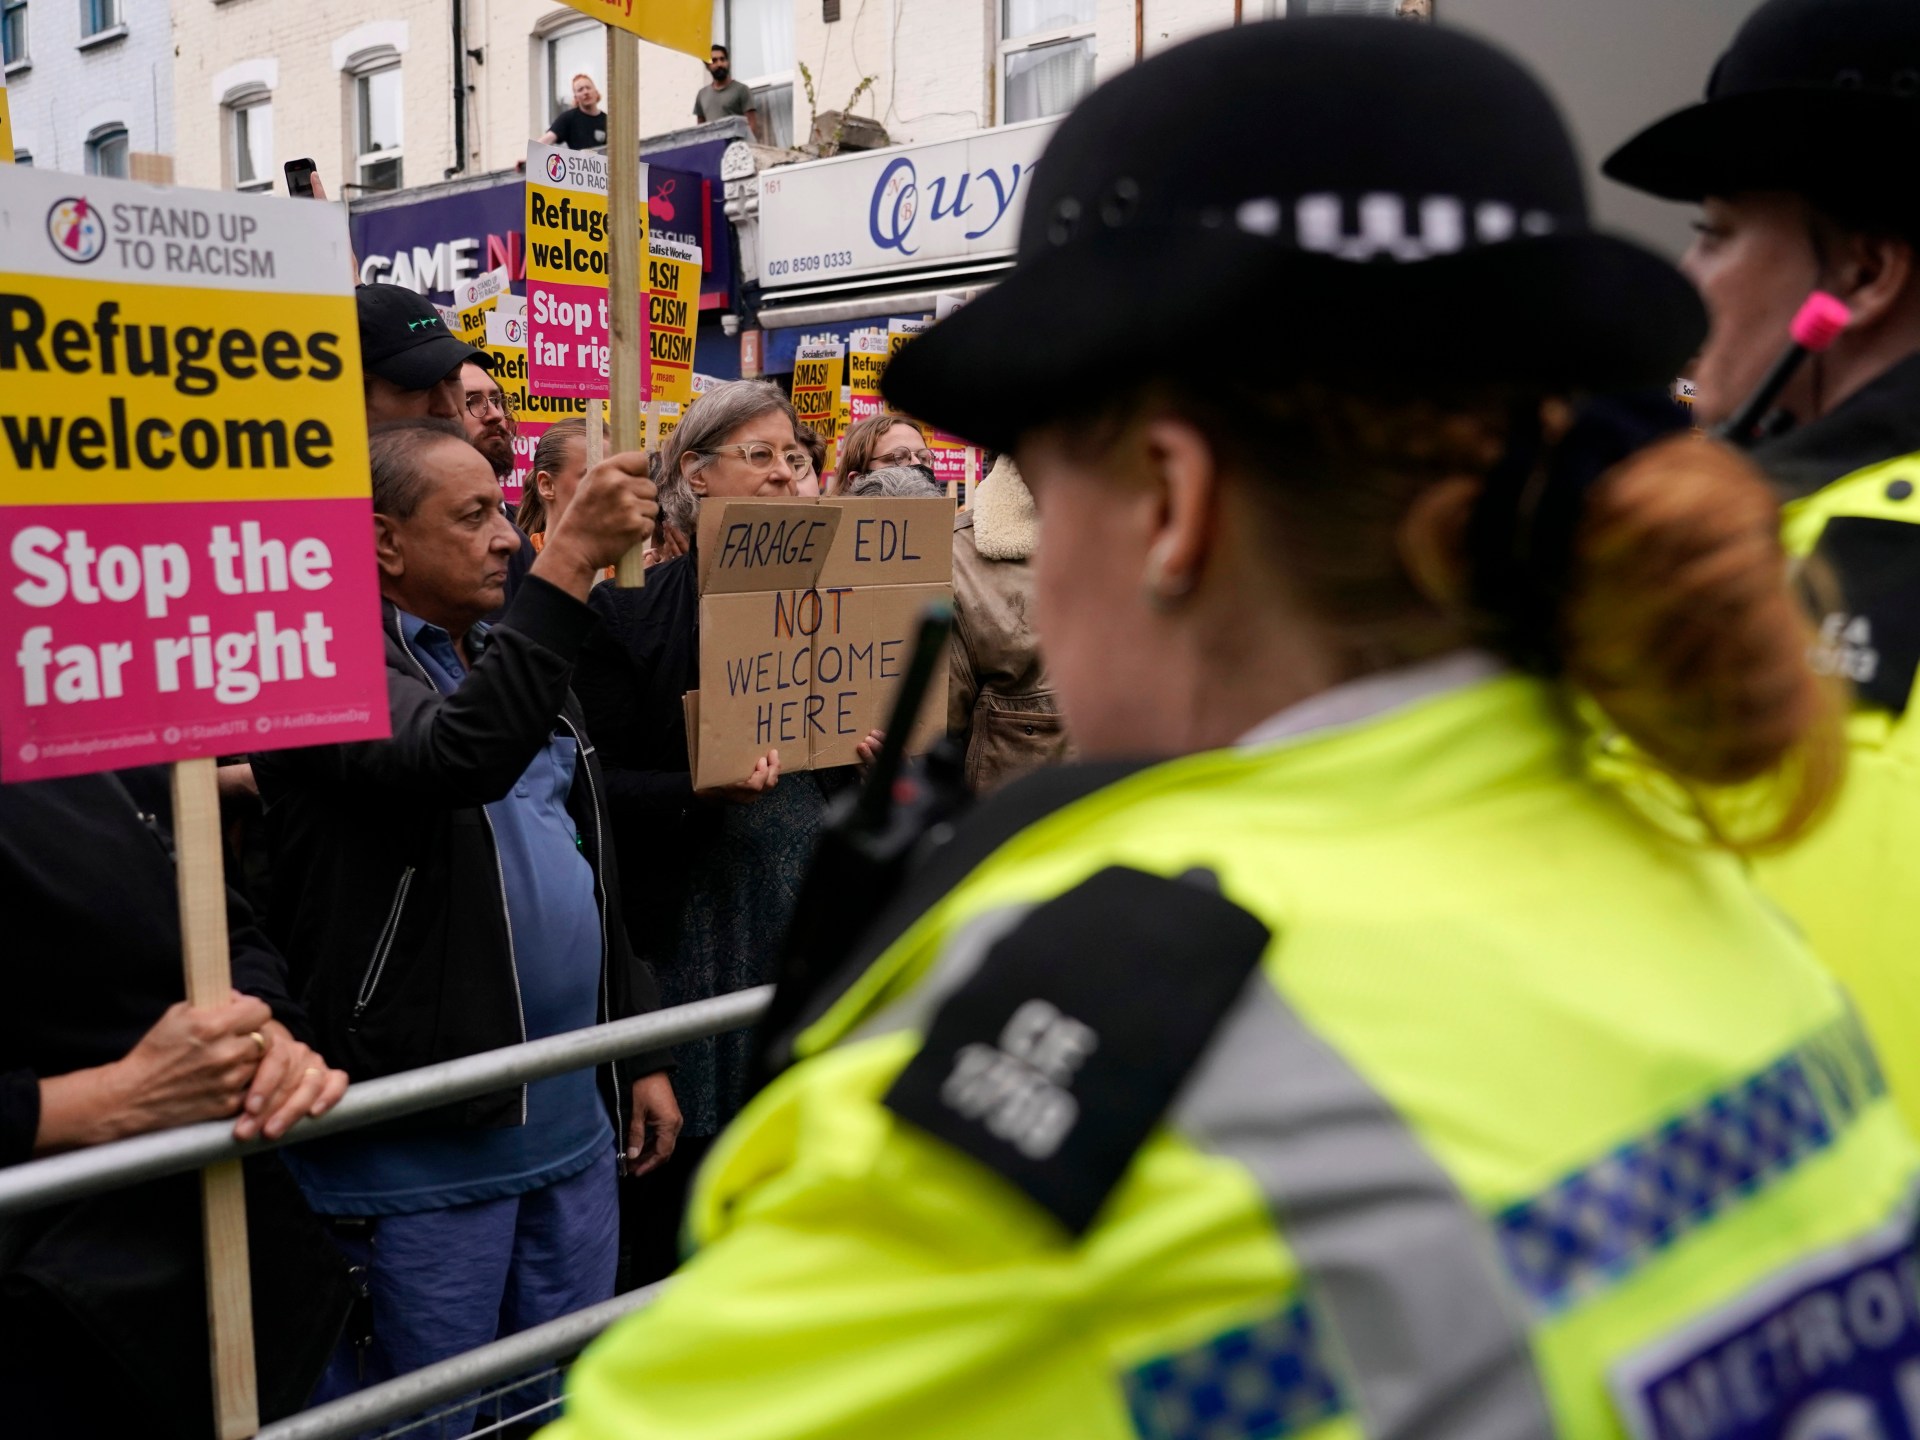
[(1389, 914)]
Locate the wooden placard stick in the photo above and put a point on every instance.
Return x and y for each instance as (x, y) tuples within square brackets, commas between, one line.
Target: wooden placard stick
[(203, 942), (623, 263), (596, 432)]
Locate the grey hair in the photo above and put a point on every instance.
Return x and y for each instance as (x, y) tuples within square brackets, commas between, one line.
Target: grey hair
[(396, 453), (707, 422), (896, 482)]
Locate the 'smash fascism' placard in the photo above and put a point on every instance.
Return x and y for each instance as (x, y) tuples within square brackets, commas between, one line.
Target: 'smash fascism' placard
[(808, 613), (673, 317), (186, 559)]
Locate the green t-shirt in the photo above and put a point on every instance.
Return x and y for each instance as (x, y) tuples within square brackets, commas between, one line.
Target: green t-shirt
[(732, 98)]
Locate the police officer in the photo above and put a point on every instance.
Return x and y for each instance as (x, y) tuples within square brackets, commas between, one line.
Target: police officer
[(1370, 1065), (1801, 160)]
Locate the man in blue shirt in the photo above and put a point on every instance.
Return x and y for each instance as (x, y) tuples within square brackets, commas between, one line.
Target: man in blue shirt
[(444, 892)]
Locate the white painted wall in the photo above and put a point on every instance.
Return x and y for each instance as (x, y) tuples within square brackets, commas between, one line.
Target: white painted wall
[(66, 90)]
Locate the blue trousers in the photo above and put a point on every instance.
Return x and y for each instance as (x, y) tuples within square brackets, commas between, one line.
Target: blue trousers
[(446, 1281)]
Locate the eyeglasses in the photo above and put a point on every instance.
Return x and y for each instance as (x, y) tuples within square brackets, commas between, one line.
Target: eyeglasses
[(480, 401), (761, 456), (902, 457)]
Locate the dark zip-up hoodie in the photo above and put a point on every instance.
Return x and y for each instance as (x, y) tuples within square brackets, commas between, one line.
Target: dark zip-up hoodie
[(387, 896)]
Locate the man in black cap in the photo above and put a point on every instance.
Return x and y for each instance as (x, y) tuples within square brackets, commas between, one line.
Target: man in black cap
[(1800, 159), (414, 369), (412, 365)]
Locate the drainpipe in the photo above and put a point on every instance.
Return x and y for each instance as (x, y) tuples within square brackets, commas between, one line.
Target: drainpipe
[(1139, 31), (459, 166)]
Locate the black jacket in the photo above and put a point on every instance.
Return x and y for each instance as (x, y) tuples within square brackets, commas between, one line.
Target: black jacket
[(93, 954), (388, 898), (641, 659), (103, 1301), (1879, 422)]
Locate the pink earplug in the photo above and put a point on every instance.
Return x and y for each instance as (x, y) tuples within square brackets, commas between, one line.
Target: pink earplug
[(1819, 322)]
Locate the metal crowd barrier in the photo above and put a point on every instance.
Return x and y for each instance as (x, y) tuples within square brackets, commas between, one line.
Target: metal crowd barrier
[(78, 1173), (499, 1364), (191, 1147)]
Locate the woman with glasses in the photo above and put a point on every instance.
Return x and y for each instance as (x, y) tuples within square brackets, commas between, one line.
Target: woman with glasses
[(709, 877), (877, 442)]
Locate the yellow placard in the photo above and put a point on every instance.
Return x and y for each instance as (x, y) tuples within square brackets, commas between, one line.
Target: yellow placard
[(566, 236), (684, 25), (136, 393), (568, 267), (819, 368), (673, 316), (6, 129)]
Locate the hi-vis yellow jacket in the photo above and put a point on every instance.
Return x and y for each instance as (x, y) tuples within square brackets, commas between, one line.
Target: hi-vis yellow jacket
[(1393, 1080), (1854, 884)]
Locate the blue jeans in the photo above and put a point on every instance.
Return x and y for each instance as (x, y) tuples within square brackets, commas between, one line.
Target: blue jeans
[(442, 1282)]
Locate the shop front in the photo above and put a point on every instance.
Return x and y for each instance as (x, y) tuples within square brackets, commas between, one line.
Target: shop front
[(850, 243)]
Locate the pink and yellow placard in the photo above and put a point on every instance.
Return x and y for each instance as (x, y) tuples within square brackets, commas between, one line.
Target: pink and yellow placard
[(568, 263), (186, 544)]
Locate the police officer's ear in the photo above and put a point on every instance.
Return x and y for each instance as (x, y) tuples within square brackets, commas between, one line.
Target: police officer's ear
[(1181, 466), (1873, 271), (1432, 542)]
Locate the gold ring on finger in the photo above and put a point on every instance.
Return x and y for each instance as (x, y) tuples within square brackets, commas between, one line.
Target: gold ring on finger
[(258, 1039)]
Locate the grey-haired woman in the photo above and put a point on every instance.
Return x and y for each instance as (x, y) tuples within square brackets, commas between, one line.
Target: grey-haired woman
[(709, 878)]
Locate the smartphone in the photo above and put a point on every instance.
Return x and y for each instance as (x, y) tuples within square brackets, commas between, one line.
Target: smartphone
[(300, 178)]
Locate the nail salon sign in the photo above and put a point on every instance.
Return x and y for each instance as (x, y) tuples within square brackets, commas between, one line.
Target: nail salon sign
[(897, 209)]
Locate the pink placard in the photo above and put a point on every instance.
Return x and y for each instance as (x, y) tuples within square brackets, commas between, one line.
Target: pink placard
[(148, 632), (526, 437), (567, 343)]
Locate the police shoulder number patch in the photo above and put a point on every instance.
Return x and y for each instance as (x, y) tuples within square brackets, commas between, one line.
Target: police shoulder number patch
[(1871, 634), (1057, 1057)]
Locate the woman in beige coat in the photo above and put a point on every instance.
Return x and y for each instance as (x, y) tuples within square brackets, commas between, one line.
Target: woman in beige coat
[(1000, 704)]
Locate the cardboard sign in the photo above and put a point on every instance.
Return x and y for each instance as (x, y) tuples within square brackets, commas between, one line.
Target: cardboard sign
[(186, 563), (683, 25), (808, 612), (568, 346), (673, 315), (506, 346), (818, 367), (867, 355)]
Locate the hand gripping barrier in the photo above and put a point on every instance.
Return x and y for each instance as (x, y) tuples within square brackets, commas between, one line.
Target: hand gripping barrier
[(79, 1173)]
